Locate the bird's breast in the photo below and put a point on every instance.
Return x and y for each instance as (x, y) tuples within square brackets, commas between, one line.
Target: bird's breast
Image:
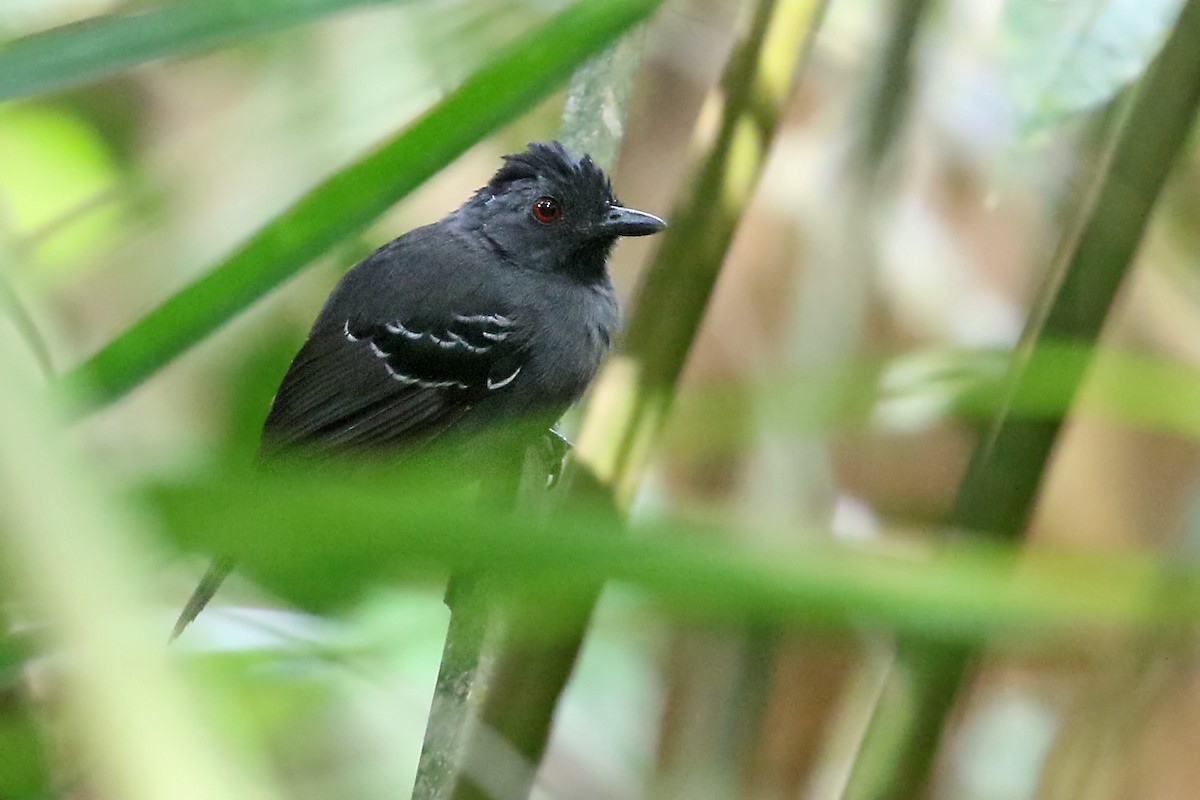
[(571, 339)]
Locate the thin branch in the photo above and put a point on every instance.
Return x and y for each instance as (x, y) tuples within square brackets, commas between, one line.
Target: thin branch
[(17, 311), (23, 321)]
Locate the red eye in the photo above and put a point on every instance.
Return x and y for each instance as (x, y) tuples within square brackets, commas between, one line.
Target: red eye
[(546, 209)]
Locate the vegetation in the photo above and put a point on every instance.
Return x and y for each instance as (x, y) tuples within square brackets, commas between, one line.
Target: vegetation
[(771, 568)]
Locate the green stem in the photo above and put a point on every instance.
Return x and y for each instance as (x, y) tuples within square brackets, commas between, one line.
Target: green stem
[(459, 675), (999, 491), (635, 389), (532, 672), (592, 124), (887, 102)]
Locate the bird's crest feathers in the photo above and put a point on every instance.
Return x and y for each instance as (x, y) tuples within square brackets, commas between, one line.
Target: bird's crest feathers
[(552, 162)]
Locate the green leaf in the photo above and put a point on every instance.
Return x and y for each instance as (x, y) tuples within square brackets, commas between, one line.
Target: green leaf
[(928, 386), (323, 539), (1071, 56), (24, 768), (74, 54), (52, 163), (1004, 477), (80, 566), (15, 650), (351, 199), (1137, 390)]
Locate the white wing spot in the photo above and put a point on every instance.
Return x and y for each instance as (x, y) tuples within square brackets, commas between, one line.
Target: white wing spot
[(398, 327), (409, 380), (379, 353), (501, 384), (495, 337), (349, 336), (463, 343), (398, 376), (494, 319)]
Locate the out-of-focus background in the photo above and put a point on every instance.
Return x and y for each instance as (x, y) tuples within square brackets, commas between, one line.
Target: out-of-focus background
[(907, 218)]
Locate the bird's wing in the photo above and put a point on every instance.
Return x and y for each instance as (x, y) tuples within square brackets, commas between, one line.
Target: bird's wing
[(359, 384)]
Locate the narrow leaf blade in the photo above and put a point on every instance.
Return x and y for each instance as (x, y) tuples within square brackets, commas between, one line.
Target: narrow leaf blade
[(348, 201), (75, 54)]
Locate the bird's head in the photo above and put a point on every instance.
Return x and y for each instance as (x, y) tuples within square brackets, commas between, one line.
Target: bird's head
[(546, 210)]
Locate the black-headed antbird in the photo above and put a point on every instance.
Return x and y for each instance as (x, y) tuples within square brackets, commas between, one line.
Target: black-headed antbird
[(499, 312)]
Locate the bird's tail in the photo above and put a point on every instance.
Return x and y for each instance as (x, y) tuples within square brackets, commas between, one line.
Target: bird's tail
[(217, 571)]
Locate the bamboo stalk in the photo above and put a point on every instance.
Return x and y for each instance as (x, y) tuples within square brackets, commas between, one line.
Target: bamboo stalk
[(999, 491), (592, 123), (633, 393)]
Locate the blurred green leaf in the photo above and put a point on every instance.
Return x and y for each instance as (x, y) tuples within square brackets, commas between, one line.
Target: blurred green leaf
[(1071, 56), (24, 769), (1134, 389), (322, 539), (349, 200), (928, 387), (54, 166), (1138, 390), (88, 50), (1129, 161), (76, 564), (15, 649)]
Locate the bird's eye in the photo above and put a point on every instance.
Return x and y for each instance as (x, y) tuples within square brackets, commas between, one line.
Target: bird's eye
[(546, 209)]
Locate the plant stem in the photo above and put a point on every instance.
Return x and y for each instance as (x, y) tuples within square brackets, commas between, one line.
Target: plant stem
[(458, 677), (593, 120), (634, 390), (592, 124), (998, 493)]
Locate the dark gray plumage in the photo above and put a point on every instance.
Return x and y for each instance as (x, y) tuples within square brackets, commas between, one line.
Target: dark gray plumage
[(501, 311)]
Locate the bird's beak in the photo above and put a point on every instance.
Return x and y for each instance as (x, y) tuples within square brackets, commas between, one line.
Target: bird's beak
[(630, 222)]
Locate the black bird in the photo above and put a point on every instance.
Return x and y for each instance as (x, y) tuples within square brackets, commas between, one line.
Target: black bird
[(499, 312)]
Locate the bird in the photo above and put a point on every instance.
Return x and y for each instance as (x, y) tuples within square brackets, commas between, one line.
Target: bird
[(496, 317)]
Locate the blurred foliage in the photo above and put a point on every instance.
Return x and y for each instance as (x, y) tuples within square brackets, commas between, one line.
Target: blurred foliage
[(1001, 485), (348, 201), (166, 165), (56, 165), (84, 51), (961, 591), (1069, 57)]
